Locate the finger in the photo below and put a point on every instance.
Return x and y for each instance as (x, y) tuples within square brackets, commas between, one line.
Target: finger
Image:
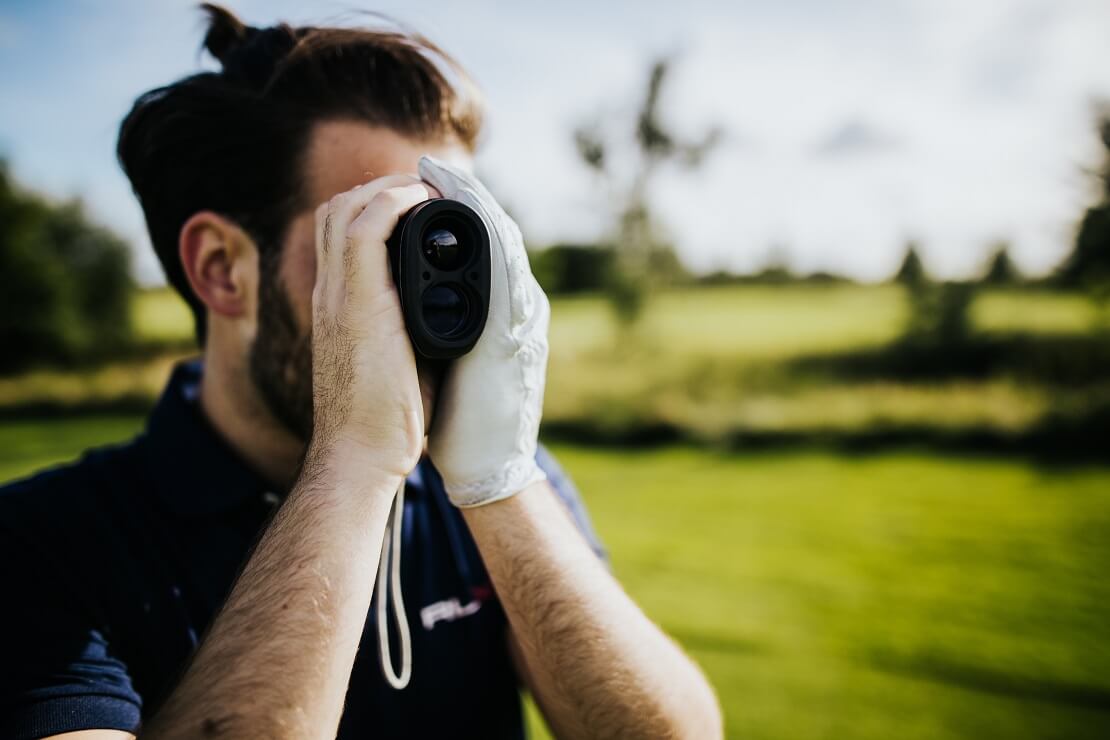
[(335, 217), (345, 207), (368, 233), (320, 287)]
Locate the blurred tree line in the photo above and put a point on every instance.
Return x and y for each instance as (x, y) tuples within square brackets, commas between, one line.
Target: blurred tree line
[(636, 259), (66, 288), (64, 282), (1088, 266)]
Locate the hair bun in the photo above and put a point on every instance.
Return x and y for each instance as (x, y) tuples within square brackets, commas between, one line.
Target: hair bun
[(226, 33)]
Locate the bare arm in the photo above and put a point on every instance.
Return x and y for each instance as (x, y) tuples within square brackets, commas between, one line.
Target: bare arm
[(597, 666), (278, 657)]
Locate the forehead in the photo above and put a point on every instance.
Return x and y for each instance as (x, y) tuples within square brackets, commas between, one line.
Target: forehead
[(343, 154)]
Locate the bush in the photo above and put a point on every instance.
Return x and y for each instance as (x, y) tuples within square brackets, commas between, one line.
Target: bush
[(1088, 266), (939, 313), (912, 270), (566, 269), (64, 283), (1001, 269)]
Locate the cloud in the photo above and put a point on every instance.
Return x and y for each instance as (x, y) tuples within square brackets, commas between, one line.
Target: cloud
[(854, 138), (961, 121)]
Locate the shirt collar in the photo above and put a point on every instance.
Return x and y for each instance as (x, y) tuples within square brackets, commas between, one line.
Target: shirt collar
[(195, 470)]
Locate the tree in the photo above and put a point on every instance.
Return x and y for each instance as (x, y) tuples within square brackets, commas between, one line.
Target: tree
[(939, 312), (644, 258), (573, 268), (64, 282), (1088, 265), (912, 270), (1001, 270), (1089, 262)]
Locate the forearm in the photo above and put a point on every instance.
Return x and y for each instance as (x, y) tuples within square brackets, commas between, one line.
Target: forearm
[(598, 666), (278, 656)]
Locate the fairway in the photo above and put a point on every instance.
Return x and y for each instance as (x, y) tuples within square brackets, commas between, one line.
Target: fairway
[(714, 362), (757, 321), (889, 596)]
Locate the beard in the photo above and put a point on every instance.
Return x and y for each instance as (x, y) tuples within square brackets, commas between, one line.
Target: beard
[(280, 361)]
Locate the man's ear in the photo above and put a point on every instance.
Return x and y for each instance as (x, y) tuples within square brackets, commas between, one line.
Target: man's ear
[(221, 262)]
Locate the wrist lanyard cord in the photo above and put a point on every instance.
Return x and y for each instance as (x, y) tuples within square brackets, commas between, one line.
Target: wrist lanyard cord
[(389, 580)]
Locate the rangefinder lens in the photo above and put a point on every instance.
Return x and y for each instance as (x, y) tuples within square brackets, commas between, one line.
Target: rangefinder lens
[(445, 309), (441, 249), (440, 257)]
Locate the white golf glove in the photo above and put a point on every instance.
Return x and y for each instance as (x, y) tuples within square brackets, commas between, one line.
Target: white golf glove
[(483, 437)]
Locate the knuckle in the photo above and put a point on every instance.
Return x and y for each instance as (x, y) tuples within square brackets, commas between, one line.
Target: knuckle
[(359, 232), (387, 199)]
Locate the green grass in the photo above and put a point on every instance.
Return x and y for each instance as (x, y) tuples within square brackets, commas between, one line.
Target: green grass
[(891, 596), (30, 445), (160, 315), (888, 596), (756, 321), (709, 361)]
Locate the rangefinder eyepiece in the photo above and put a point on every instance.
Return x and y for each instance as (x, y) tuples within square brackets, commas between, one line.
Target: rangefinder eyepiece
[(441, 249), (440, 259)]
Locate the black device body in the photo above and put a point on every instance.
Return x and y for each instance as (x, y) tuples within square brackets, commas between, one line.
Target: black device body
[(440, 257)]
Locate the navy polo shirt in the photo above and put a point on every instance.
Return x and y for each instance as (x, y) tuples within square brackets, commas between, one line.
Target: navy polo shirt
[(112, 568)]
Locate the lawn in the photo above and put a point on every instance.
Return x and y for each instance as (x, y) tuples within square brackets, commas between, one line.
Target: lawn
[(757, 321), (714, 363), (890, 596)]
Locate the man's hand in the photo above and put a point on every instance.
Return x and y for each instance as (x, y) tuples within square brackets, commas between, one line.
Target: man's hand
[(302, 599), (596, 665), (365, 387), (483, 438)]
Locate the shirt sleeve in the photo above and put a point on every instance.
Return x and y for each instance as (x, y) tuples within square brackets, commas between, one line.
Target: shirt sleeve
[(567, 491), (59, 674)]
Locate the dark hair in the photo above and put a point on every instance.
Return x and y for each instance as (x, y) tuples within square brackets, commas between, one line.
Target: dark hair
[(233, 141)]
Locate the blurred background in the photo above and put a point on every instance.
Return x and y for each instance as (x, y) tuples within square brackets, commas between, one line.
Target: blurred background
[(831, 320)]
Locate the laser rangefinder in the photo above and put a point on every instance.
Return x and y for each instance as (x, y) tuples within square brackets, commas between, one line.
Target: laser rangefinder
[(440, 257)]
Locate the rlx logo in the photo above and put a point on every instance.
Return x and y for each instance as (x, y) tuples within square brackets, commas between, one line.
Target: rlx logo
[(447, 611)]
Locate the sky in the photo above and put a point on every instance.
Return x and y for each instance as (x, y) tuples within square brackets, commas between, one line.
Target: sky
[(849, 126)]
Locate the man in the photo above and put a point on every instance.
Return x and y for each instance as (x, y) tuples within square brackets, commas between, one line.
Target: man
[(152, 589)]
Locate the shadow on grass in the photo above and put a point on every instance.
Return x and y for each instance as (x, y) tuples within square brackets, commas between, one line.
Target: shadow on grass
[(1068, 359), (1075, 436), (1061, 437), (946, 670), (137, 350), (1067, 434)]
